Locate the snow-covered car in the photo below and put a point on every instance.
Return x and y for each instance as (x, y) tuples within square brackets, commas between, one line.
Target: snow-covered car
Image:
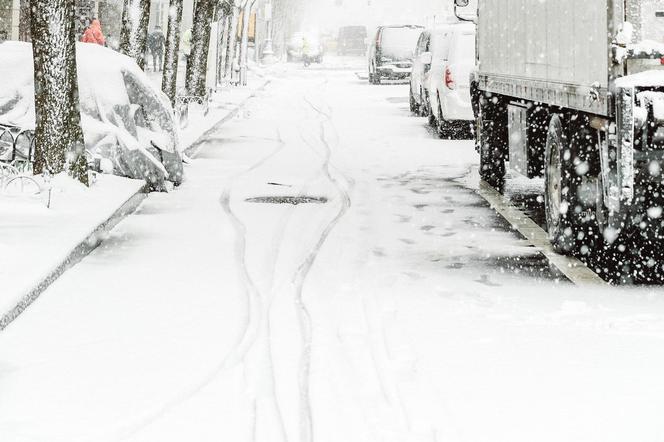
[(391, 52), (446, 84), (421, 66), (126, 121)]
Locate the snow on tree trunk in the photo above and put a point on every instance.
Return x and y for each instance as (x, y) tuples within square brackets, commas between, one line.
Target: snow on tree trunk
[(225, 9), (59, 140), (244, 44), (221, 61), (133, 38), (169, 80), (200, 37), (232, 43)]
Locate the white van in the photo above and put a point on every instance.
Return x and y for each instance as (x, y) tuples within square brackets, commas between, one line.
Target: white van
[(446, 84)]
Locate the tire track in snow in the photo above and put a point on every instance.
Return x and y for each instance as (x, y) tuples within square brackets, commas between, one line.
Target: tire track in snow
[(257, 316), (298, 279), (247, 336), (306, 420), (378, 340)]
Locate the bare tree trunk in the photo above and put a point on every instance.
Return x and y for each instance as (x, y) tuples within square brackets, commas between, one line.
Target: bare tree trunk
[(169, 79), (59, 138), (200, 36), (244, 44), (134, 35), (232, 43), (221, 61)]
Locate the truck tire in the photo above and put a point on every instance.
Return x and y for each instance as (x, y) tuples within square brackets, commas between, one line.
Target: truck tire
[(571, 170), (493, 140), (560, 189)]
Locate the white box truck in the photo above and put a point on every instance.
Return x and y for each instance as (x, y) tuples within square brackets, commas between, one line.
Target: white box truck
[(573, 91)]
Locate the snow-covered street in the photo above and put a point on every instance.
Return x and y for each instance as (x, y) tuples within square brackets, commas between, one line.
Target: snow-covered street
[(328, 272)]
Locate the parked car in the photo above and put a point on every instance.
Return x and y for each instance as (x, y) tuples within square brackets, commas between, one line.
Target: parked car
[(443, 71), (391, 52), (421, 67), (125, 119), (352, 40)]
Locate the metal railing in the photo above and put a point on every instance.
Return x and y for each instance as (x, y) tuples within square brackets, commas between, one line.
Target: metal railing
[(17, 147), (182, 102)]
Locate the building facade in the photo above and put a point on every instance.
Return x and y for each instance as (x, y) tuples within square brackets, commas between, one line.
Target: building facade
[(10, 11)]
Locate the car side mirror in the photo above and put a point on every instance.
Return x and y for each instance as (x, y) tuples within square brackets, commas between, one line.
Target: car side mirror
[(426, 58), (461, 3)]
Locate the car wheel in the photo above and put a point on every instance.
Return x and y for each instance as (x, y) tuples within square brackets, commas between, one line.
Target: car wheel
[(444, 128), (432, 116), (413, 104), (421, 108)]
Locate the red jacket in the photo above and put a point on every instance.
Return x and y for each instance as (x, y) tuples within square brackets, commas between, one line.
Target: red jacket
[(93, 34)]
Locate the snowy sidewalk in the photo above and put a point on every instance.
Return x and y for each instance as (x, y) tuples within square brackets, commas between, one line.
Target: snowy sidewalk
[(224, 103), (38, 244)]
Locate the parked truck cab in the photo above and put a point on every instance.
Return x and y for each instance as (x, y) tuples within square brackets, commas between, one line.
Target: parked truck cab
[(574, 92)]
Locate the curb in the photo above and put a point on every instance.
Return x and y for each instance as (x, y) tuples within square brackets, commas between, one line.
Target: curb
[(195, 147), (91, 242), (573, 269), (96, 237)]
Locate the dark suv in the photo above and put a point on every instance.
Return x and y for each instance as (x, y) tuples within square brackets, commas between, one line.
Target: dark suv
[(352, 40), (391, 52)]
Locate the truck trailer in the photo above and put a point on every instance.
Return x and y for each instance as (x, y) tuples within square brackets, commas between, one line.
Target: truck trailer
[(573, 91)]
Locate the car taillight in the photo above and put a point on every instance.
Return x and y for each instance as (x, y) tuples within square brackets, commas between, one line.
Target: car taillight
[(661, 60), (449, 81)]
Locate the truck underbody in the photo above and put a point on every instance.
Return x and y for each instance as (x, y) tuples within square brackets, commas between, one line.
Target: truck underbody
[(595, 133)]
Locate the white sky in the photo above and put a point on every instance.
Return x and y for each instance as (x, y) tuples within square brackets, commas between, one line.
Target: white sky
[(326, 15)]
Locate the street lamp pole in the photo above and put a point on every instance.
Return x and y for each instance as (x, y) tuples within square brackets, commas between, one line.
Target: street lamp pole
[(268, 51)]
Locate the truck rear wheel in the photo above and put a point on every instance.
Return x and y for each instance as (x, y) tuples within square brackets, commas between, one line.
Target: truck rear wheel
[(571, 196), (493, 141)]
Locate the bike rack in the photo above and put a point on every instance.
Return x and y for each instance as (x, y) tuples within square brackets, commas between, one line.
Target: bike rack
[(17, 155)]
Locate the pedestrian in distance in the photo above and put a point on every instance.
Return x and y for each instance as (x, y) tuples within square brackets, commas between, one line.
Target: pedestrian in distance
[(93, 34), (156, 43)]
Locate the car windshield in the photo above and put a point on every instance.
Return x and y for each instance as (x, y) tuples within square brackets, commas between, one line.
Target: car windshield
[(399, 43)]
